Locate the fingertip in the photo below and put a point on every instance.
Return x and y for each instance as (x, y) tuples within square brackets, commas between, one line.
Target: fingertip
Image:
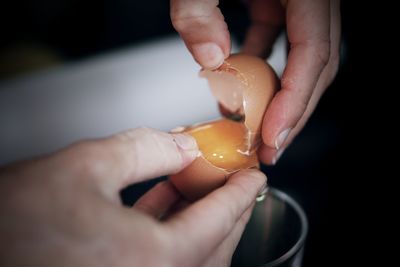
[(187, 147), (250, 178), (266, 155), (252, 173), (282, 116), (281, 138), (208, 55)]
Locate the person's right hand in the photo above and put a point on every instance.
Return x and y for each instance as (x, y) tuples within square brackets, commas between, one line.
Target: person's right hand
[(64, 209)]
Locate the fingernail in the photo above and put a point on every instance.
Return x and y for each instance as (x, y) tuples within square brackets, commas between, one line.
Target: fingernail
[(277, 156), (254, 173), (185, 141), (281, 138), (209, 55), (188, 147)]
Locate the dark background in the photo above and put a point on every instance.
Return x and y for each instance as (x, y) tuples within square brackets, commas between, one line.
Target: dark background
[(325, 169)]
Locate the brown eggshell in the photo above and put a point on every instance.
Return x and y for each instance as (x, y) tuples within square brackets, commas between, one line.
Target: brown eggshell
[(198, 179), (243, 85)]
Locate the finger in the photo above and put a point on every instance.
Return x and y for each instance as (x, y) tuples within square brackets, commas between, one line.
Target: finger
[(180, 206), (308, 24), (203, 29), (158, 200), (206, 223), (267, 19), (271, 156), (130, 157), (222, 256)]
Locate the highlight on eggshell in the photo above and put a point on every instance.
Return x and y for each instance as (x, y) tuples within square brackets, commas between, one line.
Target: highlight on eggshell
[(244, 86)]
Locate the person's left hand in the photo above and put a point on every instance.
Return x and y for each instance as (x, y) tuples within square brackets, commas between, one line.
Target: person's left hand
[(313, 31), (64, 209)]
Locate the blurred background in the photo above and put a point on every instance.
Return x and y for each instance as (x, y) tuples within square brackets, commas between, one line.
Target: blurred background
[(318, 169)]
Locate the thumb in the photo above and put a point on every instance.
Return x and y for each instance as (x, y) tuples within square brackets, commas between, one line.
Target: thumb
[(203, 29), (130, 157)]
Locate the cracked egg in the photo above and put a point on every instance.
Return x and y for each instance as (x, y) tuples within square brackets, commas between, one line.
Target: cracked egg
[(243, 86)]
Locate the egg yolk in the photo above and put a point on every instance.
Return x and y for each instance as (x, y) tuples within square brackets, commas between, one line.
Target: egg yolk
[(224, 144)]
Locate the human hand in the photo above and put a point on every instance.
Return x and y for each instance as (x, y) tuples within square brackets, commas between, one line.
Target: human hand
[(313, 30), (64, 209)]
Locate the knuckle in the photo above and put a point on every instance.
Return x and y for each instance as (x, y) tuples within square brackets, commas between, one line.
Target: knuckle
[(181, 24), (323, 48), (196, 14), (288, 83), (178, 23), (88, 158), (298, 96)]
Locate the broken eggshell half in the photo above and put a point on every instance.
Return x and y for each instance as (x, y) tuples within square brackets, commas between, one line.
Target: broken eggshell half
[(244, 86)]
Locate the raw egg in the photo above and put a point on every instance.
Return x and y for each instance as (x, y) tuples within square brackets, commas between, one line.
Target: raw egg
[(244, 86)]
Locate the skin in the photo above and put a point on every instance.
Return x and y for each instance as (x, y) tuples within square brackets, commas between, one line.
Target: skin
[(313, 31), (64, 209)]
